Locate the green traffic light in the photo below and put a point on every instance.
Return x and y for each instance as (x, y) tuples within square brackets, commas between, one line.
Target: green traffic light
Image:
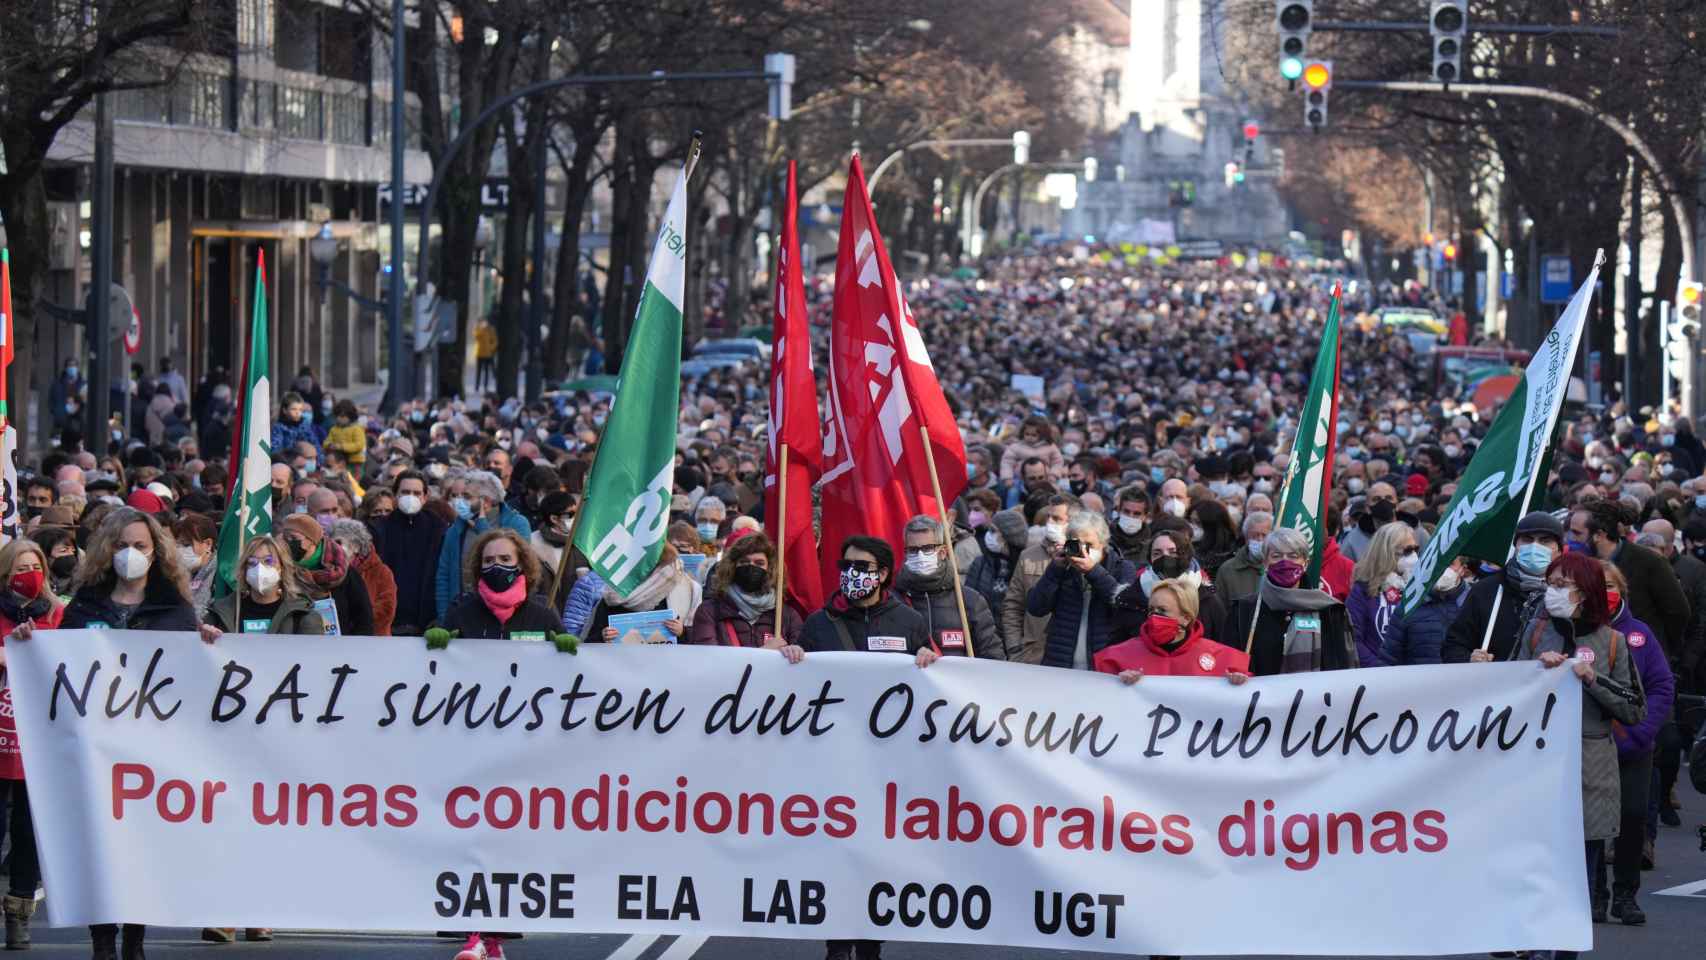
[(1291, 68), (1238, 177)]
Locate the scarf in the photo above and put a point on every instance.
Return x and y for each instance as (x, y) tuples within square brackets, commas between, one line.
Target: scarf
[(751, 605), (504, 604), (333, 566), (659, 584), (17, 609), (1301, 649)]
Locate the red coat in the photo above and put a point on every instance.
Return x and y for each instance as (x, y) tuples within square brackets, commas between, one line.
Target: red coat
[(1336, 571), (1198, 656), (11, 760)]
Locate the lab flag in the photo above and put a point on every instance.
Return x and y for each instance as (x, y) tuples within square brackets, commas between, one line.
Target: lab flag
[(1497, 487), (248, 513), (1309, 474), (795, 425), (882, 390), (621, 528)]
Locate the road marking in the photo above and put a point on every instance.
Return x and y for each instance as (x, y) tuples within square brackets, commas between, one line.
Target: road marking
[(683, 948), (633, 947), (1695, 889)]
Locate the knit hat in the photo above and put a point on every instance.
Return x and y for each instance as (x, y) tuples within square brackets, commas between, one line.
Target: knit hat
[(1543, 523), (1416, 485), (161, 490), (305, 525), (145, 501), (1011, 524)]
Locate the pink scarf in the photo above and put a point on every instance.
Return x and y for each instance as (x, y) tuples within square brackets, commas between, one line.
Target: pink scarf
[(504, 604)]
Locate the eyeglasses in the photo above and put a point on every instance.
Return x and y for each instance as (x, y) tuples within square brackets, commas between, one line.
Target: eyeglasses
[(862, 566), (1409, 551), (923, 549), (1563, 584)]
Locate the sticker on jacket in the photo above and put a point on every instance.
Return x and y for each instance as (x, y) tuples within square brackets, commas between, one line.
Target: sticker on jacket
[(537, 636), (954, 639), (1637, 640), (1206, 661), (1584, 654), (257, 625), (886, 644)]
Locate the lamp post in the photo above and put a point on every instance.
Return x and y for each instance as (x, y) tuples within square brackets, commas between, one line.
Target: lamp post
[(1020, 142), (323, 250)]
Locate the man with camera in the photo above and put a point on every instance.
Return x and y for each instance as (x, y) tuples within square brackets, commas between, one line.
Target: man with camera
[(1077, 592)]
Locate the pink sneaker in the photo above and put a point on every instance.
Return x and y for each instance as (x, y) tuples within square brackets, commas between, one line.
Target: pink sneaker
[(494, 948), (474, 949)]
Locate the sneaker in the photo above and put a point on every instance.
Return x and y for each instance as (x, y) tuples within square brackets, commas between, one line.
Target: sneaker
[(258, 934), (219, 934), (494, 948), (474, 949), (1628, 911), (1668, 817)]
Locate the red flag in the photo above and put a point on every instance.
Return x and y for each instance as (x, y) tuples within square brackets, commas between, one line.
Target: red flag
[(881, 390), (794, 421)]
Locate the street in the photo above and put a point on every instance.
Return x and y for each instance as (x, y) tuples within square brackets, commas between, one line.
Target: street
[(1674, 896)]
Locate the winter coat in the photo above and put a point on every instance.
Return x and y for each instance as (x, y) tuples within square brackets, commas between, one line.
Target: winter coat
[(1197, 656), (1464, 636), (1132, 546), (351, 441), (1419, 637), (347, 592), (1336, 571), (48, 616), (583, 598), (1020, 629), (1017, 453), (447, 583), (471, 618), (1614, 697), (1374, 614), (162, 608), (287, 435), (988, 577), (934, 598), (296, 616), (1687, 659), (1132, 606), (1657, 682), (887, 626), (381, 591), (1079, 603), (409, 546), (1655, 594), (1239, 576), (719, 623), (1267, 647)]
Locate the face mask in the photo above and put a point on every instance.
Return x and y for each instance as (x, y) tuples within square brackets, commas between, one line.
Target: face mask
[(708, 531), (464, 510), (993, 543), (1700, 501), (28, 584), (1667, 439), (1285, 573), (1196, 531), (924, 564), (418, 416), (1220, 443), (1130, 525), (751, 577), (1264, 486), (1613, 600), (1453, 451), (1170, 567), (1070, 450), (409, 503), (307, 416), (1578, 546), (1385, 426), (1174, 506), (71, 372), (131, 564), (1160, 629), (857, 584), (1448, 580), (1559, 602), (325, 520), (977, 518), (189, 558), (1406, 564), (1055, 532), (1607, 478), (1354, 485), (1255, 547), (500, 576), (64, 566), (1534, 558), (262, 577)]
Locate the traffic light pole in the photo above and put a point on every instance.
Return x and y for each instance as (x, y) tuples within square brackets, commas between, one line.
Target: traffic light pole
[(889, 161)]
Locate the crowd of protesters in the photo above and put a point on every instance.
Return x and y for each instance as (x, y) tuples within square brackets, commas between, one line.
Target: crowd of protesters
[(1127, 427)]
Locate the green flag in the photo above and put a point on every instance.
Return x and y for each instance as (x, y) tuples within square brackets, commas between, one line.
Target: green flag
[(248, 512), (1309, 474), (1497, 487), (622, 524)]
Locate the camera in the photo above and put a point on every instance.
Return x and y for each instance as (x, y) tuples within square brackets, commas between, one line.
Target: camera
[(1073, 548)]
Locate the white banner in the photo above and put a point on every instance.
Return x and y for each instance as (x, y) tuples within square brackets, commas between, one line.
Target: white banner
[(357, 783)]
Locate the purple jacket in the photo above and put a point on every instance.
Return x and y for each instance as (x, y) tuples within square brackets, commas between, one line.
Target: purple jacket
[(1372, 617), (1656, 679)]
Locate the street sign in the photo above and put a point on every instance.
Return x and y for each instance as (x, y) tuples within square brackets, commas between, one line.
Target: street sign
[(1556, 279), (1507, 284)]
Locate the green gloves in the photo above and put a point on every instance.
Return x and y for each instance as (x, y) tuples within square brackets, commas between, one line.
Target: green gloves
[(566, 642), (437, 638)]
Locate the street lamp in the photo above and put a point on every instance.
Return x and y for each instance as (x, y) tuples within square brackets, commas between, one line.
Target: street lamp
[(323, 250)]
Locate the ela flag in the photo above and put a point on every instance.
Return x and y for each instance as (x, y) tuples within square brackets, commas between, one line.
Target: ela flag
[(1498, 485), (795, 425), (622, 525), (248, 513), (5, 333), (882, 390), (8, 435), (1309, 475)]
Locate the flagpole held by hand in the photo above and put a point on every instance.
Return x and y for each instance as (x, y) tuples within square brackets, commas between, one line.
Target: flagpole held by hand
[(781, 537), (1250, 638), (947, 537)]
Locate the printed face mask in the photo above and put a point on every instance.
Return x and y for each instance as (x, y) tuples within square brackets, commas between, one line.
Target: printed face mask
[(859, 584)]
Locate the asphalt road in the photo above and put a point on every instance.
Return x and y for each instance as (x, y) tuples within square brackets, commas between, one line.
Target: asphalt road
[(1674, 896)]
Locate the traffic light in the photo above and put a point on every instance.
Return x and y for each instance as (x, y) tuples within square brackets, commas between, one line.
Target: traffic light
[(1294, 18), (1682, 334), (1450, 252), (1090, 169), (1232, 174), (1448, 22), (1688, 297), (1317, 85)]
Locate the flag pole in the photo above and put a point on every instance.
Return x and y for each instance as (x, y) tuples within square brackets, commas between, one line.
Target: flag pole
[(1250, 638), (947, 538), (782, 536)]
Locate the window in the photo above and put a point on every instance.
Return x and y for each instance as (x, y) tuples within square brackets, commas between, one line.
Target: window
[(260, 104), (199, 100), (255, 27), (299, 113), (348, 118)]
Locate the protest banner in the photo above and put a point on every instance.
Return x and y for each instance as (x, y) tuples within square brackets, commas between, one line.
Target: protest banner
[(674, 790)]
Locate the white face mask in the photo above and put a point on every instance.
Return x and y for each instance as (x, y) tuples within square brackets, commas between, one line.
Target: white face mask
[(262, 578), (1448, 580), (1558, 602), (1130, 525), (1175, 506), (924, 564), (409, 504), (1255, 546), (1406, 564), (992, 540), (1264, 486), (1055, 532), (189, 558), (131, 564), (1354, 485)]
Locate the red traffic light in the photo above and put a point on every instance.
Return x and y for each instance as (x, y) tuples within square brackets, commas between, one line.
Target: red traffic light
[(1251, 130)]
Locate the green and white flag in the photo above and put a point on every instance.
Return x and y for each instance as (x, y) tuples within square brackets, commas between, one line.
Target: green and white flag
[(1309, 474), (248, 513), (1498, 485), (622, 524)]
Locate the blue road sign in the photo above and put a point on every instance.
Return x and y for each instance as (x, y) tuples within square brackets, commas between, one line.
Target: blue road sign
[(1556, 280)]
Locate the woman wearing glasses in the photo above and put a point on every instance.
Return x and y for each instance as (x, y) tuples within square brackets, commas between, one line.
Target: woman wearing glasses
[(1297, 629), (1376, 599)]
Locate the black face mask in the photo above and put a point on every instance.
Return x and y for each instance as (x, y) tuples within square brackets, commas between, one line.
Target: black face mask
[(297, 550), (500, 576), (751, 578), (63, 566), (1170, 567), (1078, 487)]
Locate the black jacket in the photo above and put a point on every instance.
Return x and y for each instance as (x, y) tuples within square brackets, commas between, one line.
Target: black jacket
[(1686, 661), (1267, 649), (471, 618), (988, 576), (1064, 595), (410, 545), (1655, 594), (1464, 636), (888, 626), (934, 598), (162, 608), (354, 606)]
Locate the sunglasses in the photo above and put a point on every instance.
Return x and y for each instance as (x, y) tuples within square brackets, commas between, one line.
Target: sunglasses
[(862, 566)]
